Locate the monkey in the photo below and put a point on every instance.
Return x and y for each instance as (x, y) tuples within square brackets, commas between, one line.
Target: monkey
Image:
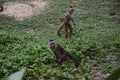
[(1, 7), (61, 54), (66, 24)]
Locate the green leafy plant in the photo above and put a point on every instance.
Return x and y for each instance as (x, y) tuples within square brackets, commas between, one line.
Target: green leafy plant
[(95, 41)]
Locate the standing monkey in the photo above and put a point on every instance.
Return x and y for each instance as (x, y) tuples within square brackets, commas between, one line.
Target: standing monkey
[(61, 54), (66, 24), (1, 7)]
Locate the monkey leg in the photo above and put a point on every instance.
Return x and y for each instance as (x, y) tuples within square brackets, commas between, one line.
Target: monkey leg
[(70, 30), (66, 31), (58, 31)]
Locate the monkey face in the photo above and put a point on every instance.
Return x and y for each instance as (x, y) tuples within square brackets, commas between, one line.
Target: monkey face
[(52, 45), (71, 10)]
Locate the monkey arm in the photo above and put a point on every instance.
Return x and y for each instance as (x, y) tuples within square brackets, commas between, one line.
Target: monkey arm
[(56, 56), (59, 54), (72, 21)]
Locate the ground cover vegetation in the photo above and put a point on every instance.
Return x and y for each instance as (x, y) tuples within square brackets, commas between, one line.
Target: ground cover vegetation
[(96, 41)]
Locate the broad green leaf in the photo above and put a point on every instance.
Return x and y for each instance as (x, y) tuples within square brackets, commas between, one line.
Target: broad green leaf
[(17, 76)]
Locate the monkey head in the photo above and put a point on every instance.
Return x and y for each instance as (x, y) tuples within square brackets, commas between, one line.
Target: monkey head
[(52, 45), (71, 9)]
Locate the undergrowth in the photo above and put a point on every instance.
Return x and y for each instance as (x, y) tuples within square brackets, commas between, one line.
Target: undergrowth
[(95, 42)]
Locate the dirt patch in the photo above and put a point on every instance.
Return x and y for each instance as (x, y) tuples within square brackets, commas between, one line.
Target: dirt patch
[(22, 10)]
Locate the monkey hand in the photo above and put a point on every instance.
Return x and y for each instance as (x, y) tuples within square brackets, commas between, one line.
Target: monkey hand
[(59, 60)]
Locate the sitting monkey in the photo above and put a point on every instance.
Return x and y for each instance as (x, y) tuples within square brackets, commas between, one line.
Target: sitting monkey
[(61, 54)]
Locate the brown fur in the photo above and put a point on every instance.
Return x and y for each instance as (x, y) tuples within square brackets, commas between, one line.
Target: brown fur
[(66, 24), (61, 54)]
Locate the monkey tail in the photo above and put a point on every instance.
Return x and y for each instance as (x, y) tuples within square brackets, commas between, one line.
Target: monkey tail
[(75, 60)]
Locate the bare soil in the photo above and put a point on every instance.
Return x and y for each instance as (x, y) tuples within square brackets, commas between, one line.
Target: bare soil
[(21, 10)]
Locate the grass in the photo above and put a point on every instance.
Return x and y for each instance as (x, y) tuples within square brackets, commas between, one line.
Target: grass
[(96, 41)]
